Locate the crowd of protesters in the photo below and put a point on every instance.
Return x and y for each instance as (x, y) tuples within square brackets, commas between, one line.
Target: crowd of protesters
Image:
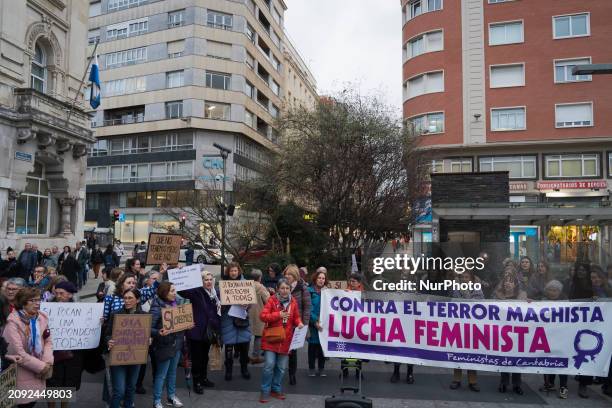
[(286, 298)]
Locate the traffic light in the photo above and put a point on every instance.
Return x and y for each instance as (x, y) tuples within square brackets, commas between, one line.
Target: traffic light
[(115, 215), (182, 221)]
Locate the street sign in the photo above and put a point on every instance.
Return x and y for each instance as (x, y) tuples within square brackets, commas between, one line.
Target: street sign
[(23, 156)]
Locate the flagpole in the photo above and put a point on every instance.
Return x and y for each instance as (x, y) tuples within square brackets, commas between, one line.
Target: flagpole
[(93, 54)]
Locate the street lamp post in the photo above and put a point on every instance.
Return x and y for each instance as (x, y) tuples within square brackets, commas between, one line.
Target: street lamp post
[(224, 152), (592, 69)]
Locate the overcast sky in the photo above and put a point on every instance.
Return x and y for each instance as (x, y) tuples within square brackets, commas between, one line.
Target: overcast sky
[(350, 41)]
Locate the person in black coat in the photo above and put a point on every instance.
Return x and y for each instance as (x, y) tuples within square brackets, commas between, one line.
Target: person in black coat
[(67, 364), (206, 316), (11, 268), (71, 268)]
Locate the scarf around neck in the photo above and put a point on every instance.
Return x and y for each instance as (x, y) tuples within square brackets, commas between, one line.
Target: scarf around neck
[(284, 301), (33, 334)]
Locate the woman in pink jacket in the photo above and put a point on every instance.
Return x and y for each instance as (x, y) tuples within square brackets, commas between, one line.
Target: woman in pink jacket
[(27, 333)]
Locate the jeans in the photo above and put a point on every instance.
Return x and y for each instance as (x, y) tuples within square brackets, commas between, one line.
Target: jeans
[(256, 352), (550, 379), (273, 372), (166, 370), (199, 350), (315, 353), (124, 385), (83, 275)]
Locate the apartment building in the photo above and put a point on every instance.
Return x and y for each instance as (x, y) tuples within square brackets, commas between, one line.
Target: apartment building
[(177, 77), (44, 135), (488, 86)]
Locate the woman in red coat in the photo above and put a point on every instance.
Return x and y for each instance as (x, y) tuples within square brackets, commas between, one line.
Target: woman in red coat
[(281, 310)]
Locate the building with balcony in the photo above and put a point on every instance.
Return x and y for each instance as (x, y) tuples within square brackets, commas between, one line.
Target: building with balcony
[(178, 77), (44, 134), (488, 86)]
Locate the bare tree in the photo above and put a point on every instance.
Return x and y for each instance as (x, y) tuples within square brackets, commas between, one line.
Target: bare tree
[(348, 159)]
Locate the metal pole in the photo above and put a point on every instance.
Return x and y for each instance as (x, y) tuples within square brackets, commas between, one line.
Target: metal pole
[(93, 54), (224, 155)]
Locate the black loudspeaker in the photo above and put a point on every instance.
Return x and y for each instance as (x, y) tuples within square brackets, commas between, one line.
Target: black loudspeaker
[(348, 401), (354, 400)]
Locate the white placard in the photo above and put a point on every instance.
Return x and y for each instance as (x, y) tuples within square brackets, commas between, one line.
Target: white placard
[(238, 311), (74, 326), (187, 277), (298, 339)]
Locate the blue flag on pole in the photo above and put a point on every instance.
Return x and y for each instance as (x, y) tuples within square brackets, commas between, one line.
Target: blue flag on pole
[(94, 78)]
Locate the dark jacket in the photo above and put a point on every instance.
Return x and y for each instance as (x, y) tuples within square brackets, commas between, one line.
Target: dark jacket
[(189, 256), (96, 257), (204, 313), (11, 268), (28, 260), (169, 344), (71, 269), (302, 296), (82, 257), (110, 259)]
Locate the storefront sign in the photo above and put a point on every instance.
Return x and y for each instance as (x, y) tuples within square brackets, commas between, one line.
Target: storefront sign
[(163, 248), (516, 336), (518, 186), (23, 156), (131, 333), (559, 185)]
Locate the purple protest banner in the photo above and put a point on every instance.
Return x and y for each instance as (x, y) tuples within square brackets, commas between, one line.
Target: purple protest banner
[(538, 337)]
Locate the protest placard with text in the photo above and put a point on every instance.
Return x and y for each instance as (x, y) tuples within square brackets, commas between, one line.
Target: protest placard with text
[(187, 277), (237, 292), (179, 318), (163, 248), (8, 381), (74, 326), (131, 333)]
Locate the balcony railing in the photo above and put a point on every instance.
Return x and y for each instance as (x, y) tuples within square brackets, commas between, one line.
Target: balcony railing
[(123, 121)]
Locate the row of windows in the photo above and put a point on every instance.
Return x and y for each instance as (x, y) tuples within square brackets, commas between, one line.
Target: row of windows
[(251, 151), (126, 57), (139, 173), (569, 115), (525, 166), (142, 144), (500, 76)]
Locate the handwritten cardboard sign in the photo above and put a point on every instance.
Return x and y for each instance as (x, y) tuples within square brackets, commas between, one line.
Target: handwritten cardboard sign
[(187, 277), (131, 333), (163, 248), (8, 381), (299, 338), (74, 326), (237, 292), (338, 285), (175, 319)]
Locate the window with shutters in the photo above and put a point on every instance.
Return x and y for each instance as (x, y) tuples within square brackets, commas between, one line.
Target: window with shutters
[(504, 76), (574, 115), (506, 33), (218, 49), (176, 18), (428, 42), (216, 19), (174, 109), (175, 79), (563, 70), (176, 48), (504, 119), (426, 83)]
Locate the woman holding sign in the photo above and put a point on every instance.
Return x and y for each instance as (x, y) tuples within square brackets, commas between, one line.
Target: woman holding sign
[(206, 315), (299, 291), (166, 347), (29, 339), (281, 315), (124, 377), (235, 331)]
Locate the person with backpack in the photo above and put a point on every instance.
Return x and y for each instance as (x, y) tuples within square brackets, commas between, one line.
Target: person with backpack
[(110, 258), (97, 259)]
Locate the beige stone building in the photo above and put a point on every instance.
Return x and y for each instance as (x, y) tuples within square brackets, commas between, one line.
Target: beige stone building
[(43, 138), (177, 77)]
